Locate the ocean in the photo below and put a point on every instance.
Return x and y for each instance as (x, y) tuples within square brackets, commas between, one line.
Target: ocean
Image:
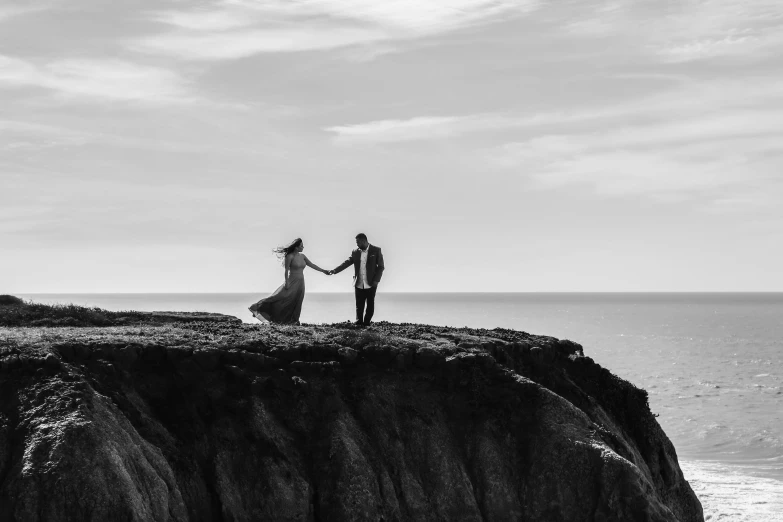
[(711, 362)]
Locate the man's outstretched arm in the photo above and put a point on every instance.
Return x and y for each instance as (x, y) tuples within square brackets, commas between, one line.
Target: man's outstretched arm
[(345, 264)]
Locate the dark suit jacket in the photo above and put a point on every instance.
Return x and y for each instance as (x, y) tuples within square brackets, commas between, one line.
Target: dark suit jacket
[(374, 264)]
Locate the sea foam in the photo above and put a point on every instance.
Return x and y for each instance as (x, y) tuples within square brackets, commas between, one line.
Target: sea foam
[(727, 493)]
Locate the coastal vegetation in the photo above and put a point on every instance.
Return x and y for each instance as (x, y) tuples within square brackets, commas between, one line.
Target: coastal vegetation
[(18, 312)]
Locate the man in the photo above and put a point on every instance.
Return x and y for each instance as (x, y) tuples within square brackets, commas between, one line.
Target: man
[(367, 261)]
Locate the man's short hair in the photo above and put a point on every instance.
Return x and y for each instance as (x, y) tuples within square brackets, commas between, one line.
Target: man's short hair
[(361, 236)]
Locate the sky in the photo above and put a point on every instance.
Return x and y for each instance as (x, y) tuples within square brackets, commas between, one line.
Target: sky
[(484, 145)]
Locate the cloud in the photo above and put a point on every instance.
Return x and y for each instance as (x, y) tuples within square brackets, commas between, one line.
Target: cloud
[(240, 44), (687, 31), (204, 20), (688, 110), (596, 20), (104, 79), (620, 173), (241, 28), (717, 154), (10, 11), (733, 43), (19, 135), (706, 29), (419, 128), (228, 29), (667, 133), (433, 16), (425, 128)]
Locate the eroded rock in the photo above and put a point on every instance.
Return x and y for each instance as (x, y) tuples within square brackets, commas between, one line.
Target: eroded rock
[(406, 423)]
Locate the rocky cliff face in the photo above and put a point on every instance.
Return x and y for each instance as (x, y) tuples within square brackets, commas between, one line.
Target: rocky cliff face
[(219, 421)]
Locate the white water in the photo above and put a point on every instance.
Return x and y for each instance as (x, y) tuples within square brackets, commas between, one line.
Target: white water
[(727, 493)]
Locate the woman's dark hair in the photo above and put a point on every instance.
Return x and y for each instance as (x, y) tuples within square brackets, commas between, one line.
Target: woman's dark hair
[(283, 251)]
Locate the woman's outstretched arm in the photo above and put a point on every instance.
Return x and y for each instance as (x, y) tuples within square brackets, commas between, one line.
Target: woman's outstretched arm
[(313, 265)]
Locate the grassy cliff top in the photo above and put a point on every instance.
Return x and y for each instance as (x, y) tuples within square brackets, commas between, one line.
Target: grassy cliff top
[(36, 327), (18, 312)]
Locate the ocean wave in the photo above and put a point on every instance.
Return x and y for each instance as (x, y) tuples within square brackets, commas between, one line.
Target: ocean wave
[(730, 493)]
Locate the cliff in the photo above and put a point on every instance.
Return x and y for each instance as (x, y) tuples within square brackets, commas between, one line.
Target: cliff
[(216, 420)]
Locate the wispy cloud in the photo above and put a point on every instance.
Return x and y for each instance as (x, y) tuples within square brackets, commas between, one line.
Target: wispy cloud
[(215, 19), (732, 124), (240, 28), (686, 109), (620, 173), (601, 19), (686, 31), (240, 44), (413, 129), (718, 28), (733, 43), (19, 135), (427, 128), (18, 9), (102, 79), (407, 15), (699, 155), (697, 139)]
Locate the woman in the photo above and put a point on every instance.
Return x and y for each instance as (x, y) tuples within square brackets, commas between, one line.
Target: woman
[(285, 304)]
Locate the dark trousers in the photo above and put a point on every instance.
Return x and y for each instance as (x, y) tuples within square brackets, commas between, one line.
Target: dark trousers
[(365, 295)]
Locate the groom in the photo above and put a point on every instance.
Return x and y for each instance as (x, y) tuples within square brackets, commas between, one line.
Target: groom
[(367, 261)]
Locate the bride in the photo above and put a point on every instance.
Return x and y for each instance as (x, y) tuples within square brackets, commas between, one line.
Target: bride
[(285, 304)]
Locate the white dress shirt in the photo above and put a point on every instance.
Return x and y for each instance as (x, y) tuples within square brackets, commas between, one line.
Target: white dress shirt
[(361, 281)]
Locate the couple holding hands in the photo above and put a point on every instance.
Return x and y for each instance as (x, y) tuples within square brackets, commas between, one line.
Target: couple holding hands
[(285, 304)]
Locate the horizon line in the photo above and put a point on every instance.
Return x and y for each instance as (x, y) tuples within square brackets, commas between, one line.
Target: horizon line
[(435, 292)]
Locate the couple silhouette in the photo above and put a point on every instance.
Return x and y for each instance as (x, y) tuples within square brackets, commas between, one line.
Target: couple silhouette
[(284, 306)]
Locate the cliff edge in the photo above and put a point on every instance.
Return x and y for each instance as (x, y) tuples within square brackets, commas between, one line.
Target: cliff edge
[(216, 420)]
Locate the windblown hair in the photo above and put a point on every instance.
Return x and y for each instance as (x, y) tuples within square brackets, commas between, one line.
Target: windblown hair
[(283, 251)]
